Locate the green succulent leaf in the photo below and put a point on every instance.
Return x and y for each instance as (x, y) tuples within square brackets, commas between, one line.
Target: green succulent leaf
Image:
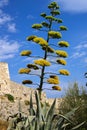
[(78, 126), (38, 112), (31, 109)]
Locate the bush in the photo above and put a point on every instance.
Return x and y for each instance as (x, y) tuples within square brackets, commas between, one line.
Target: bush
[(26, 102), (10, 97), (75, 98)]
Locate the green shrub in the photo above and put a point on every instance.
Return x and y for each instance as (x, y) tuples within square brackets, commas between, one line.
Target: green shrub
[(10, 97), (26, 102), (75, 97)]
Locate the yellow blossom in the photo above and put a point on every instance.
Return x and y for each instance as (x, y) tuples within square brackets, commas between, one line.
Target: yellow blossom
[(63, 28), (56, 88), (54, 34), (40, 41), (27, 82), (53, 5), (49, 17), (54, 76), (49, 49), (52, 81), (43, 14), (64, 72), (55, 12), (29, 38), (42, 62), (25, 53), (24, 71), (63, 44), (32, 66), (37, 26), (61, 53), (45, 24), (61, 61)]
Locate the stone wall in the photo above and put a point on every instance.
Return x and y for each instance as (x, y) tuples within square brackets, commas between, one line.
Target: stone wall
[(4, 78), (19, 92)]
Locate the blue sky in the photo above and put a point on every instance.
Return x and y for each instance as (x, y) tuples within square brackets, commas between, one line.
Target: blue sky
[(16, 19)]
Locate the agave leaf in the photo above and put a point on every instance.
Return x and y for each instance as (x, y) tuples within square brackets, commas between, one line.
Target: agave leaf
[(20, 125), (49, 117), (44, 111), (31, 109), (60, 123), (71, 113), (66, 118), (11, 125), (37, 125), (38, 112), (78, 126), (66, 124), (51, 111), (29, 120)]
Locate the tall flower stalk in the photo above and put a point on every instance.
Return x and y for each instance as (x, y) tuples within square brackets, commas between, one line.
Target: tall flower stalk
[(53, 32)]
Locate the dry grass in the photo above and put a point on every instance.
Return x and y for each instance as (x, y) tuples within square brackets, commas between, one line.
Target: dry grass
[(3, 125)]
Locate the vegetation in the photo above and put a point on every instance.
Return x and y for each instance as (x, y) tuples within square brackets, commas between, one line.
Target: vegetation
[(76, 97), (10, 97), (52, 27), (42, 118), (26, 102)]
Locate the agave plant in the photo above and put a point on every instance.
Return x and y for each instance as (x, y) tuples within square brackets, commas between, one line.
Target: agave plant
[(42, 118)]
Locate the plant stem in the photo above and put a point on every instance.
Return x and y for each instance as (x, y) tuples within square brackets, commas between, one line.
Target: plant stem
[(43, 67)]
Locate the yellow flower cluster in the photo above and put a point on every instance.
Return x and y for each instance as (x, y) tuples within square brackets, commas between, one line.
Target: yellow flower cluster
[(53, 80), (40, 41), (43, 14), (55, 12), (25, 53), (49, 49), (63, 44), (61, 53), (42, 62), (32, 66), (61, 61), (24, 71), (56, 88), (37, 26), (64, 72), (54, 76), (53, 5), (27, 82), (54, 34), (29, 38), (48, 17), (45, 24), (63, 28)]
